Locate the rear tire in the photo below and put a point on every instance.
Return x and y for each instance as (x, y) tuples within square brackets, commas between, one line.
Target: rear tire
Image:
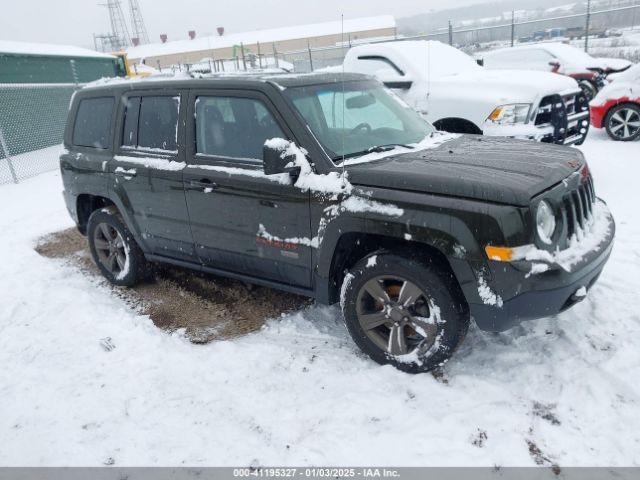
[(114, 250), (622, 122), (404, 311)]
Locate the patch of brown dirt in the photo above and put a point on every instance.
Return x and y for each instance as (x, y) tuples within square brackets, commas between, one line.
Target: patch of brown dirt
[(207, 307)]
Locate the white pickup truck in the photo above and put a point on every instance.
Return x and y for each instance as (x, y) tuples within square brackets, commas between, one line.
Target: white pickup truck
[(457, 95)]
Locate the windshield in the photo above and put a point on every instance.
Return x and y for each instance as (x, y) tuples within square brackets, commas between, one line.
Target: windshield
[(372, 120)]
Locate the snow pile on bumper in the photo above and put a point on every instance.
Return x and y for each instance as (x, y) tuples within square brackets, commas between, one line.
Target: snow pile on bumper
[(586, 240)]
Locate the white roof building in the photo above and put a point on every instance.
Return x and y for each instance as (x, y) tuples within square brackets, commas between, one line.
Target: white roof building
[(284, 39)]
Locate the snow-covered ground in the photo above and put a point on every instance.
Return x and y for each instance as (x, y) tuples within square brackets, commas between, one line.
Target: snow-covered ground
[(561, 390)]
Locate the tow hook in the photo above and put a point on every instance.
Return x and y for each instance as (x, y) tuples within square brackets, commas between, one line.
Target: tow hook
[(579, 295)]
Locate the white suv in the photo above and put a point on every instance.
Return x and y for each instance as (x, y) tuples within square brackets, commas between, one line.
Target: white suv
[(457, 95)]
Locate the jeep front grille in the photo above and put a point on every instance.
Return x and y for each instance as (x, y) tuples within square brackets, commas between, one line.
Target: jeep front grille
[(578, 206)]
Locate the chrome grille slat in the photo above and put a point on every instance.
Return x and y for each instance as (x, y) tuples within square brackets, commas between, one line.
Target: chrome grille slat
[(571, 214), (577, 207), (586, 203)]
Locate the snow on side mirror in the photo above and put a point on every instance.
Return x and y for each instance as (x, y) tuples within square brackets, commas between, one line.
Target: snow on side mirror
[(277, 159)]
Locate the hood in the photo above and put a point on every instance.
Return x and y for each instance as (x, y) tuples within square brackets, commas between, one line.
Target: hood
[(610, 64), (618, 91), (630, 75), (490, 169), (515, 85)]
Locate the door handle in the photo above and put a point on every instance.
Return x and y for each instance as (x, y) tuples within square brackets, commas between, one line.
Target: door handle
[(202, 184), (121, 172), (268, 203)]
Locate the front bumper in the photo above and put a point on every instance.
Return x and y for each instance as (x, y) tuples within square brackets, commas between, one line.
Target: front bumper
[(598, 113), (527, 296), (575, 130)]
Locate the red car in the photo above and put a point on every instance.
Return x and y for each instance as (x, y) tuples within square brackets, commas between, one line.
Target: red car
[(616, 108)]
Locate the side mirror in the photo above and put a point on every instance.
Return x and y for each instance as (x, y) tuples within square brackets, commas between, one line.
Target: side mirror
[(480, 61), (276, 159), (391, 80), (555, 64)]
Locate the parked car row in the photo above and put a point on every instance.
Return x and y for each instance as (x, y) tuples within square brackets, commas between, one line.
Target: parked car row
[(539, 92)]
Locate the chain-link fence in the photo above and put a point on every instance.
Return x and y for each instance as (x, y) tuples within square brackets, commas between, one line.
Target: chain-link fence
[(597, 31), (32, 123)]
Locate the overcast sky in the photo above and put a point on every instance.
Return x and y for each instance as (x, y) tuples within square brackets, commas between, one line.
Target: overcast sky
[(74, 21)]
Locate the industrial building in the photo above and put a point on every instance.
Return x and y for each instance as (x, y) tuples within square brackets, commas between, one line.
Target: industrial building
[(262, 42), (36, 84)]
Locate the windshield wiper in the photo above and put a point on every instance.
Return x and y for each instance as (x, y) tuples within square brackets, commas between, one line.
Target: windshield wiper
[(377, 149), (388, 147)]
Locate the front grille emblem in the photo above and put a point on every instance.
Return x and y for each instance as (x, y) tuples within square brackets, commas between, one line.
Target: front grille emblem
[(573, 164)]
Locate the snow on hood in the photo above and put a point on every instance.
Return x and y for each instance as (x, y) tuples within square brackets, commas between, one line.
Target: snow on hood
[(614, 63), (631, 75), (516, 83)]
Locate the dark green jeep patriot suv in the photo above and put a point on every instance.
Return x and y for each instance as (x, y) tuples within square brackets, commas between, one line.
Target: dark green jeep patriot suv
[(329, 186)]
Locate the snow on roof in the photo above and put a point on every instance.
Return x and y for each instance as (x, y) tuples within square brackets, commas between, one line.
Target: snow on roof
[(262, 36), (47, 49), (421, 56)]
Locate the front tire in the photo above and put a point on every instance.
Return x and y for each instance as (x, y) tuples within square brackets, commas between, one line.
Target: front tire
[(404, 311), (623, 122), (114, 250)]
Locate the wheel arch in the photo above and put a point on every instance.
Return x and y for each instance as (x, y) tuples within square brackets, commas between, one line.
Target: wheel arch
[(353, 246), (457, 125), (623, 102), (86, 204)]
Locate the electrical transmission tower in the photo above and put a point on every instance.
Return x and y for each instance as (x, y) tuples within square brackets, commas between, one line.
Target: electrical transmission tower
[(119, 37), (137, 22)]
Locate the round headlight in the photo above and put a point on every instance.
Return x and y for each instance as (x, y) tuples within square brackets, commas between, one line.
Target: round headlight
[(545, 221)]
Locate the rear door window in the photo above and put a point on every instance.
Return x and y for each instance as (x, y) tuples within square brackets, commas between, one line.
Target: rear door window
[(157, 123), (92, 126)]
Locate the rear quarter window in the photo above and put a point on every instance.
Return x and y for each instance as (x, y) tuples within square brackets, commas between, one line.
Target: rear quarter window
[(92, 127), (158, 123)]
